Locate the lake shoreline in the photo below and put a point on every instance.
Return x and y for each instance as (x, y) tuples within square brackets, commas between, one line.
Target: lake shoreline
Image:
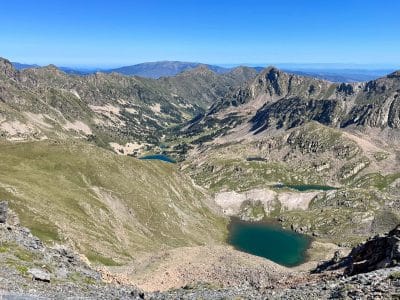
[(270, 228)]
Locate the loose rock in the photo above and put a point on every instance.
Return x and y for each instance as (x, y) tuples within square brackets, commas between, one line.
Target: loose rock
[(39, 275)]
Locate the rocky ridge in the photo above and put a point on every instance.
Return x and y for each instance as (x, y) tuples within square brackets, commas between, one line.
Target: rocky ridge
[(39, 103), (276, 99)]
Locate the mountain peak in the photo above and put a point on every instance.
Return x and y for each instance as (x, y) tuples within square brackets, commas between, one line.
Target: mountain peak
[(201, 69), (271, 73), (51, 67), (242, 69)]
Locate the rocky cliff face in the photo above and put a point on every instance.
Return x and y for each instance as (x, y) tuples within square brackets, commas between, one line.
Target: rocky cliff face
[(293, 112), (373, 104), (276, 99)]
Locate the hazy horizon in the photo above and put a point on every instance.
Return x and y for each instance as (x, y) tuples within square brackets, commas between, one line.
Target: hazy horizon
[(104, 34), (293, 65)]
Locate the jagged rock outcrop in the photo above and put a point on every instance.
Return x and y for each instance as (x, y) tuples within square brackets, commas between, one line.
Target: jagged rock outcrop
[(6, 68), (382, 251), (378, 252), (301, 99), (293, 112)]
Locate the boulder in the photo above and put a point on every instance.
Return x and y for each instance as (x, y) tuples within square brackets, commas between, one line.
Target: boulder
[(3, 211), (39, 275)]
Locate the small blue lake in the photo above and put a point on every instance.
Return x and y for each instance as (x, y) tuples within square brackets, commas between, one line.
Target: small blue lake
[(161, 157), (270, 241)]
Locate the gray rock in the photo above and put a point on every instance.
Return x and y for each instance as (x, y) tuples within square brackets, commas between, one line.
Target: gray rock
[(62, 273), (39, 275), (3, 211)]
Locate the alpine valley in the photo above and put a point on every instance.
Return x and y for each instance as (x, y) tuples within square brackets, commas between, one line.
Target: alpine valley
[(83, 215)]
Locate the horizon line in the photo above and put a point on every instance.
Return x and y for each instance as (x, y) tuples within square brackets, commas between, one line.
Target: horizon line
[(316, 65)]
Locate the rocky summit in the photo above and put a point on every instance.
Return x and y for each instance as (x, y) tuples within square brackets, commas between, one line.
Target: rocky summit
[(83, 215)]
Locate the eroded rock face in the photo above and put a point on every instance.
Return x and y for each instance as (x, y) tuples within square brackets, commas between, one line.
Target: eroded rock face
[(292, 112)]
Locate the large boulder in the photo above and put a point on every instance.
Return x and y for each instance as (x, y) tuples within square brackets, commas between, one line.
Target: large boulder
[(3, 211), (39, 275)]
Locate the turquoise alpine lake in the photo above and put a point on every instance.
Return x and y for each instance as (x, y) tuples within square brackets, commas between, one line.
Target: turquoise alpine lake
[(270, 241), (159, 157)]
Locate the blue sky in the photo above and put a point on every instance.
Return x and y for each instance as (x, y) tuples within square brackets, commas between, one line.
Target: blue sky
[(117, 32)]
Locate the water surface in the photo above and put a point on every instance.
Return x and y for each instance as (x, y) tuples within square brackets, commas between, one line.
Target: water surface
[(270, 241), (159, 157), (306, 187)]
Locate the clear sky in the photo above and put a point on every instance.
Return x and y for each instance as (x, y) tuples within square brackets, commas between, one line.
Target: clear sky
[(122, 32)]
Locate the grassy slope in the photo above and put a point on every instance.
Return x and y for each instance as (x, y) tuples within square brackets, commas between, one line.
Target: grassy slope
[(111, 207)]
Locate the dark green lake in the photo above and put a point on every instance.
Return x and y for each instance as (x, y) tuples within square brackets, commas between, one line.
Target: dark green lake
[(284, 247), (305, 187), (161, 157)]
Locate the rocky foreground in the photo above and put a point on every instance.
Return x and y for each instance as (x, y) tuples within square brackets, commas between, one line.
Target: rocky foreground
[(31, 270)]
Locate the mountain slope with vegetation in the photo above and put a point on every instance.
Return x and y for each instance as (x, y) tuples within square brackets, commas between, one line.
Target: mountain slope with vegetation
[(110, 208)]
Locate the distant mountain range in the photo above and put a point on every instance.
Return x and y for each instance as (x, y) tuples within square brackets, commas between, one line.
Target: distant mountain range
[(171, 68), (342, 75), (68, 70), (164, 68), (20, 66)]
